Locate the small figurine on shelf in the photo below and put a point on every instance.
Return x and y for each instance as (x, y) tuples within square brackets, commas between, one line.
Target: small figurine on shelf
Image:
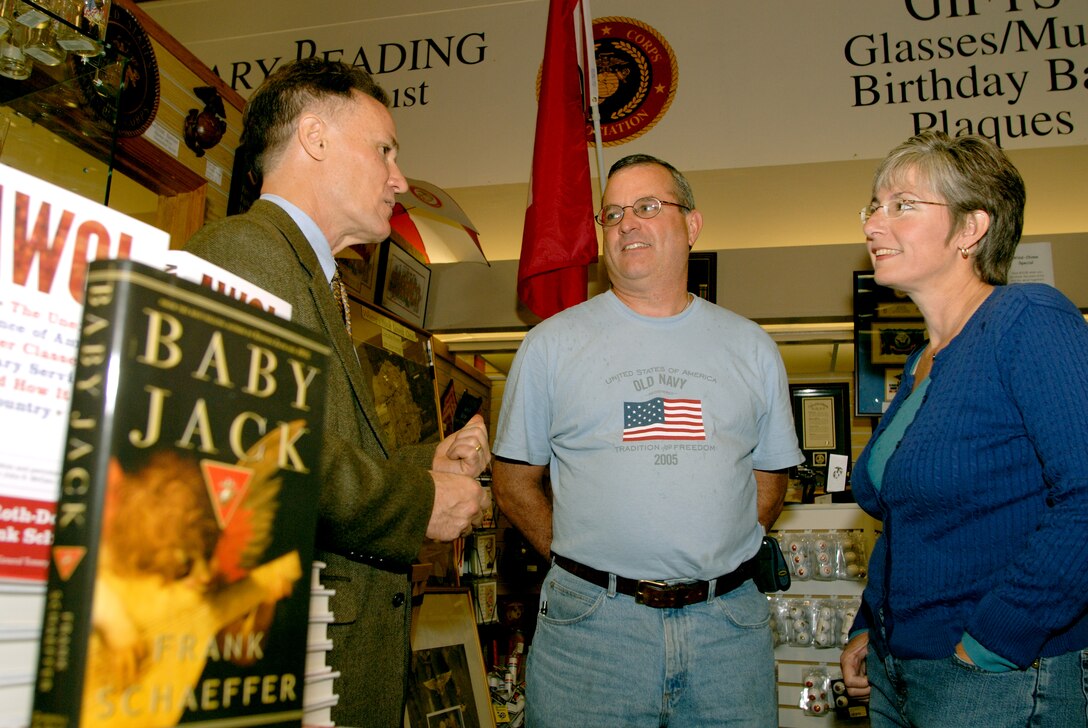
[(204, 128), (809, 479)]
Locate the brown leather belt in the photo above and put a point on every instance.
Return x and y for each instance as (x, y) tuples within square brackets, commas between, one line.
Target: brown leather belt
[(659, 594)]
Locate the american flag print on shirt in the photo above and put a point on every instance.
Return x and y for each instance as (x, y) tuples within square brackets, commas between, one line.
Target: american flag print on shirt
[(661, 418)]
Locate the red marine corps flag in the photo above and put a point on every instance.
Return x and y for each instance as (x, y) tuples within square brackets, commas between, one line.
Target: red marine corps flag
[(559, 241)]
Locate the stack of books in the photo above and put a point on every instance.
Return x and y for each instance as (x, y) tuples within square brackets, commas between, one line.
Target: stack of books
[(318, 688), (21, 607), (47, 237)]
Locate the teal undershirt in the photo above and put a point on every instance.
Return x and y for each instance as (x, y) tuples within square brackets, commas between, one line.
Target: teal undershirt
[(883, 448)]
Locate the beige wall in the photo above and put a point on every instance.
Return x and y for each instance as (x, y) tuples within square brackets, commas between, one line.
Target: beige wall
[(787, 237), (768, 285), (804, 204)]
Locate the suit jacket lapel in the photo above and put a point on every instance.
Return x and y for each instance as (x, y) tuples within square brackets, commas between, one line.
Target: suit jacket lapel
[(328, 313)]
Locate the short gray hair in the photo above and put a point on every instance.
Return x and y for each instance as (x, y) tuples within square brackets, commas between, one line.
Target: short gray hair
[(971, 173), (684, 195)]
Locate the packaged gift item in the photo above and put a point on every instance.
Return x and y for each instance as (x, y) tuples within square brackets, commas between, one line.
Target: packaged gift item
[(814, 692), (849, 556), (781, 630), (802, 617), (797, 550), (826, 625), (825, 547), (848, 612)]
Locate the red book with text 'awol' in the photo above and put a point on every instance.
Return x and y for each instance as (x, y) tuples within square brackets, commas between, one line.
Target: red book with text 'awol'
[(178, 586)]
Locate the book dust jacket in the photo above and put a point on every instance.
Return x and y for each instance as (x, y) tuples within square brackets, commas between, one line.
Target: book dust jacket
[(48, 236), (178, 584)]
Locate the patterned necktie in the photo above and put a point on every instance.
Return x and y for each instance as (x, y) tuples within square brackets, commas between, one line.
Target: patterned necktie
[(341, 295)]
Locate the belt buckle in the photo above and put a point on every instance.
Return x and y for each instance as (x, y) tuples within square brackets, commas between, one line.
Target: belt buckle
[(659, 595)]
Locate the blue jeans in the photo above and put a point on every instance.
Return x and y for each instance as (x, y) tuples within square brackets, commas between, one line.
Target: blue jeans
[(951, 692), (600, 659)]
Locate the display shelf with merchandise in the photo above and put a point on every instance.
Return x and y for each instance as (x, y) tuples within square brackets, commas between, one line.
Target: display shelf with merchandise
[(796, 663)]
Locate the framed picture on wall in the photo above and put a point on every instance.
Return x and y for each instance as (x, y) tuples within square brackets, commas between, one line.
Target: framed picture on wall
[(359, 267), (448, 682), (486, 597), (888, 328), (821, 414), (405, 283), (403, 392), (893, 341), (703, 275), (398, 365)]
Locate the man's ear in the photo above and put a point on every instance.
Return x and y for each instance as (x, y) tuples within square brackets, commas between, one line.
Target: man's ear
[(695, 226), (313, 135)]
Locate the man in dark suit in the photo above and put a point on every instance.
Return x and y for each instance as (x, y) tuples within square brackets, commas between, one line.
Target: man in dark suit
[(321, 138)]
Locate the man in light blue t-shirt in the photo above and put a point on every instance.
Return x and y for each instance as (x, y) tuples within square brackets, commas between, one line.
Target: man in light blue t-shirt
[(664, 423)]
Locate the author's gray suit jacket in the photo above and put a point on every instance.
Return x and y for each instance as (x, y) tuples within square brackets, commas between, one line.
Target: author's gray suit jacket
[(369, 504)]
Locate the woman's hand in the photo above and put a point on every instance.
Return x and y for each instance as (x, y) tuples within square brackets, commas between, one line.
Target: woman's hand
[(852, 661)]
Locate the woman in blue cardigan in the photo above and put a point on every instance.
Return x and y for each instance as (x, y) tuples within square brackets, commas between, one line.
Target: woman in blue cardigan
[(976, 610)]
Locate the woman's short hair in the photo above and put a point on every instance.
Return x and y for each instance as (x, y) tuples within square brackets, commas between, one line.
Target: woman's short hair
[(970, 173)]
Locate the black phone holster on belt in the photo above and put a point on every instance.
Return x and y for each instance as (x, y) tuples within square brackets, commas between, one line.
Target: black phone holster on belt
[(772, 571)]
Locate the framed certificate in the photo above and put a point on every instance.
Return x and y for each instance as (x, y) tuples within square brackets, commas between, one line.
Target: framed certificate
[(821, 414)]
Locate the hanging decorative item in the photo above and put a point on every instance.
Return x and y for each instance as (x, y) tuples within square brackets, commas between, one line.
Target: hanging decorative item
[(637, 78), (205, 127), (135, 108), (428, 223)]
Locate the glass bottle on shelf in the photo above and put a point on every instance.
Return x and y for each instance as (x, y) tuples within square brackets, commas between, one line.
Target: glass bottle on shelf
[(54, 28), (58, 119), (14, 62), (41, 43), (84, 29)]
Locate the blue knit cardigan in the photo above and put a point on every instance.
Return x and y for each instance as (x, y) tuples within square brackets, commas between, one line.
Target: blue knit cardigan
[(985, 501)]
